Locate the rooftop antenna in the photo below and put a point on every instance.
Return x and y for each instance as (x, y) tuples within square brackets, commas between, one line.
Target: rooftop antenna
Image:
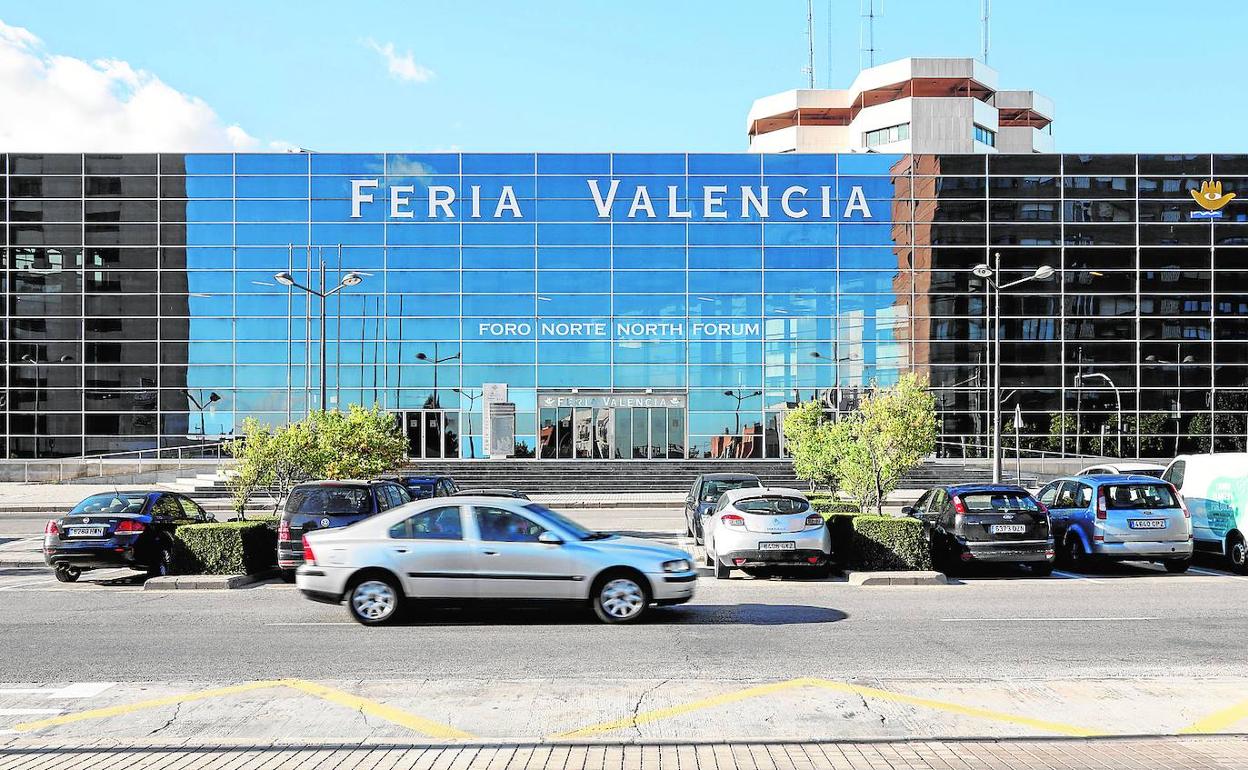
[(809, 69), (985, 7), (866, 32)]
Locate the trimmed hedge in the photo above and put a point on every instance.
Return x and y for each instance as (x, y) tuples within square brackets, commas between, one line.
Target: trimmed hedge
[(889, 543), (225, 548)]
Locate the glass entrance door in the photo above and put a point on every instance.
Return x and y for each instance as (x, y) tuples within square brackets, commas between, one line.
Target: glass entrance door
[(432, 434), (620, 433)]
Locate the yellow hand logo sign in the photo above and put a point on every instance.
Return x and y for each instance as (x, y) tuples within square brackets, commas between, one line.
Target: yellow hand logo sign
[(1210, 196)]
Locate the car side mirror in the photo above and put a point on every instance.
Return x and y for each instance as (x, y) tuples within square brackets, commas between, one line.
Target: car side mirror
[(907, 510), (549, 538)]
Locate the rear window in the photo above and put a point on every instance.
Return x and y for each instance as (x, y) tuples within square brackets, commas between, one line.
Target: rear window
[(712, 489), (420, 486), (1139, 496), (111, 503), (987, 502), (332, 500), (772, 506)]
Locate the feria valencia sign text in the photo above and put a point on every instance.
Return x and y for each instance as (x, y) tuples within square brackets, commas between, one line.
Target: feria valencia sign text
[(793, 202)]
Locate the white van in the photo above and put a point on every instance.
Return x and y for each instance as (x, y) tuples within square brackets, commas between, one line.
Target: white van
[(1215, 487)]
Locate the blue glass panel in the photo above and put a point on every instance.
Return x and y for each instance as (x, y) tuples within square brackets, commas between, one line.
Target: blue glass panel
[(517, 352), (573, 281), (807, 234), (571, 376), (724, 305), (222, 305), (868, 163), (565, 210), (523, 187), (404, 305), (581, 352), (649, 258), (726, 376), (640, 305), (725, 281), (216, 282), (737, 328), (209, 186), (272, 211), (878, 282), (423, 329), (698, 185), (725, 234), (214, 235), (855, 234), (573, 234), (209, 164), (801, 304), (340, 211), (209, 211), (648, 234), (417, 164), (497, 233), (213, 352), (519, 163), (569, 187), (649, 376), (655, 282), (422, 282), (326, 163), (875, 188), (572, 257), (498, 258), (269, 235), (563, 305), (735, 352), (741, 163), (858, 257), (657, 187), (710, 258), (505, 281), (515, 376), (271, 163), (628, 163), (800, 281), (271, 186), (424, 234), (428, 257), (499, 304), (799, 163), (558, 163), (808, 257), (646, 352)]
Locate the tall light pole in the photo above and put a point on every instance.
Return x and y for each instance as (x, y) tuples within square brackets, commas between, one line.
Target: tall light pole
[(1079, 378), (472, 400), (741, 395), (350, 279), (435, 360), (1178, 392), (213, 398), (990, 274), (35, 362)]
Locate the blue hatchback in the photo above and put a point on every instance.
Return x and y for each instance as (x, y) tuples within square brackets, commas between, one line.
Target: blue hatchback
[(1118, 517)]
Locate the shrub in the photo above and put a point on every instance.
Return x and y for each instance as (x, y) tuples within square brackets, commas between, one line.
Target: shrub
[(225, 548), (888, 543)]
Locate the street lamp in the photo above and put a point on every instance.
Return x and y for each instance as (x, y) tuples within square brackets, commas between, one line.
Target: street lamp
[(35, 362), (1079, 378), (435, 361), (472, 400), (740, 395), (990, 275), (350, 279), (1178, 393), (213, 398)]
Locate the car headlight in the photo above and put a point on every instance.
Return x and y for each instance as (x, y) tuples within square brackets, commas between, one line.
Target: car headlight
[(677, 565)]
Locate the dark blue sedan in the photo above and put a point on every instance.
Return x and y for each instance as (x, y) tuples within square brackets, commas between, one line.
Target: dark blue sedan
[(119, 529)]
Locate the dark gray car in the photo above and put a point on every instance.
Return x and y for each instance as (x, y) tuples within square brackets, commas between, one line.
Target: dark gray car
[(700, 503)]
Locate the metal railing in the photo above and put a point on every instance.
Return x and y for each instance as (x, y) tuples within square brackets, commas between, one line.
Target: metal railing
[(56, 470)]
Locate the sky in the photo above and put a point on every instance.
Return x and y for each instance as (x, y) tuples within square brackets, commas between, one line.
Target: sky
[(643, 75)]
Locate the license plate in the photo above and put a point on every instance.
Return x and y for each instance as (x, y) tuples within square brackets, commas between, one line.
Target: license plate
[(1007, 529), (789, 546), (1147, 523), (86, 531)]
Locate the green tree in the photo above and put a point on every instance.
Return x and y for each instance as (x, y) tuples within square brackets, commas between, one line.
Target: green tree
[(891, 432), (357, 444), (1061, 433), (804, 429)]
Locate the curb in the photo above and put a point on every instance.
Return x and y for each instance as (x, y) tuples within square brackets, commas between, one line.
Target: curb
[(201, 582), (909, 578)]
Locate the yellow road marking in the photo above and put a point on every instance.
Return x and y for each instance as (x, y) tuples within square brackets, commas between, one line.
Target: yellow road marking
[(398, 716), (380, 710), (1218, 720), (671, 711), (129, 708), (826, 684)]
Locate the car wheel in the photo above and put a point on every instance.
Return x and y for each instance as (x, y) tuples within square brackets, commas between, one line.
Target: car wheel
[(620, 598), (68, 574), (698, 537), (1177, 566), (164, 559), (706, 554), (1042, 570), (288, 575), (1072, 550), (722, 571), (374, 600), (1237, 551)]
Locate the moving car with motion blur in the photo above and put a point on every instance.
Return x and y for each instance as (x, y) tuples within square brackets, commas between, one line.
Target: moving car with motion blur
[(1118, 517), (757, 529), (1215, 490), (488, 548), (119, 529), (491, 492), (975, 523), (700, 502), (328, 504)]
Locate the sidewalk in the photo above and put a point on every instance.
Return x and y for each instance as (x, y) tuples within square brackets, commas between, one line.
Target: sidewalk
[(1223, 753)]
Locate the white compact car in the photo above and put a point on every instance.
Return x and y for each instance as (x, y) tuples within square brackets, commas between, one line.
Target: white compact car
[(759, 527), (484, 548)]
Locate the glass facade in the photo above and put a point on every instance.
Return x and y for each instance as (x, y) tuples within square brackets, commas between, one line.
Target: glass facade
[(657, 305)]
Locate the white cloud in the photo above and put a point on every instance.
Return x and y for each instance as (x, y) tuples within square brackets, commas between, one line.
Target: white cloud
[(401, 66), (55, 103)]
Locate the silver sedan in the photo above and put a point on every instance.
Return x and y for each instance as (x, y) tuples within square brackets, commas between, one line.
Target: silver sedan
[(488, 548)]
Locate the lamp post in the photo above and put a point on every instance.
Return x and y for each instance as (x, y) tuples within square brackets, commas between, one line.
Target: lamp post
[(1178, 389), (213, 398), (472, 400), (350, 279), (1079, 378), (35, 362), (990, 274), (740, 395), (435, 361)]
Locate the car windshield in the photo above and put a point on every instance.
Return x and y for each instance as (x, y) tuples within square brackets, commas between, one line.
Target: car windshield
[(329, 499), (112, 503), (1139, 496), (772, 506), (713, 488), (987, 502), (571, 527)]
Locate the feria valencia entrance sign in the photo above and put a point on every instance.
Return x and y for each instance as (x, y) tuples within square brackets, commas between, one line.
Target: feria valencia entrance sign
[(749, 201)]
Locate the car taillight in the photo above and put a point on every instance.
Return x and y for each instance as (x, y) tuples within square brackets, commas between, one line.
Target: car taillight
[(130, 526), (308, 556), (51, 528), (958, 505), (814, 520), (283, 530), (1043, 508), (732, 520), (1101, 512), (1187, 514)]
